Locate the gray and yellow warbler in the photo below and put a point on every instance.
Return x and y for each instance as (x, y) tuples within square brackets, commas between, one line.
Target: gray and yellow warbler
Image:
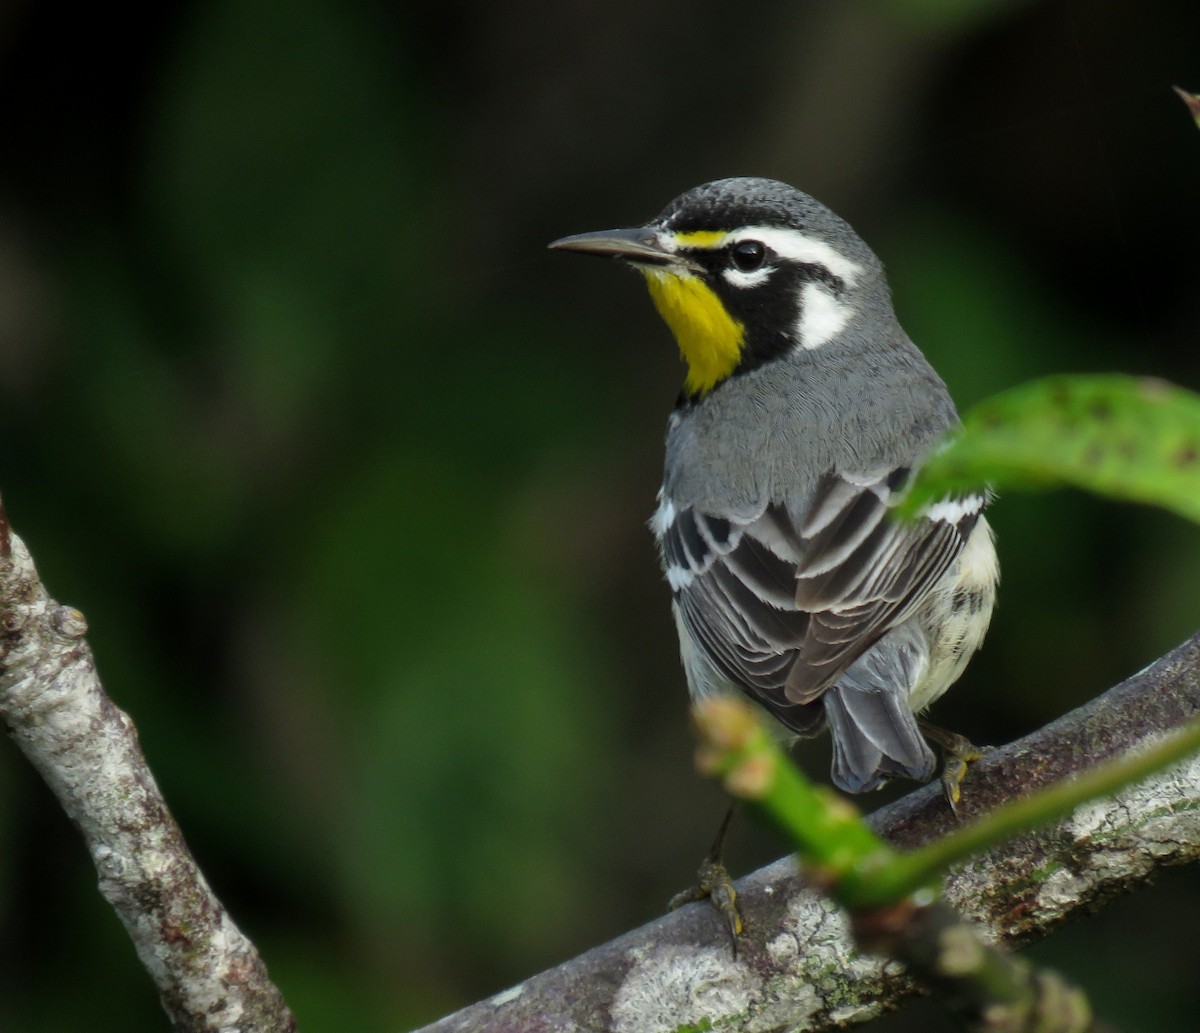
[(804, 411)]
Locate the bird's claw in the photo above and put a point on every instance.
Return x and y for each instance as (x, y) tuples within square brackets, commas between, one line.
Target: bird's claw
[(958, 754), (714, 885)]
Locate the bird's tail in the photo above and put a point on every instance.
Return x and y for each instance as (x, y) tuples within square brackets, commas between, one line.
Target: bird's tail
[(875, 735)]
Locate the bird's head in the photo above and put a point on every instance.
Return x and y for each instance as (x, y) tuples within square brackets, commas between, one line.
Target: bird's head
[(745, 271)]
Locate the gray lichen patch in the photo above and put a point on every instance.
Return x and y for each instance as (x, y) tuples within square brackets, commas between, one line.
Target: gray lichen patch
[(679, 986)]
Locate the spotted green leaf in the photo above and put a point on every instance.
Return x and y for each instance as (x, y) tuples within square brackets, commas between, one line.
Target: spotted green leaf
[(1126, 437)]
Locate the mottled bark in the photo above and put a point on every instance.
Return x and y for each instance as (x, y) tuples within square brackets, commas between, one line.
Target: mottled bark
[(208, 974), (798, 968)]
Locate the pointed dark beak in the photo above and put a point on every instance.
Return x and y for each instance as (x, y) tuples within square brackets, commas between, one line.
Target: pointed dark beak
[(640, 246)]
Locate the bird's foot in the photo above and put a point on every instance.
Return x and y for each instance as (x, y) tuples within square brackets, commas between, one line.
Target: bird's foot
[(958, 753), (714, 885)]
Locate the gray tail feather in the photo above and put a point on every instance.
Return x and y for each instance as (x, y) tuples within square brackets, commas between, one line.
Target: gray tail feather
[(875, 735)]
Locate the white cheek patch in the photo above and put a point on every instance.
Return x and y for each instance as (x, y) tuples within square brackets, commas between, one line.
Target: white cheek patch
[(822, 316)]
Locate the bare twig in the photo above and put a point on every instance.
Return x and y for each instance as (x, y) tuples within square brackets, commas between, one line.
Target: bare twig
[(209, 975), (797, 966)]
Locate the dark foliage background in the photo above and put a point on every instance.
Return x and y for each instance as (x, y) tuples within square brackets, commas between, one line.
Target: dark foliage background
[(350, 474)]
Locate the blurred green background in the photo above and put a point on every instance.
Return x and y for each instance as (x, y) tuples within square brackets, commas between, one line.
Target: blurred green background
[(350, 474)]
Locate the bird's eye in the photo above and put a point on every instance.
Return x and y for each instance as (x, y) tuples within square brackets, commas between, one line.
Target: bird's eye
[(748, 255)]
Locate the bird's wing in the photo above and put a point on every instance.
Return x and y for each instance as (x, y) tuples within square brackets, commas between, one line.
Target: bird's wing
[(783, 602)]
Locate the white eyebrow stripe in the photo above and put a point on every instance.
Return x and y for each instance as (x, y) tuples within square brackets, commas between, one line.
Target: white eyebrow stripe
[(796, 247)]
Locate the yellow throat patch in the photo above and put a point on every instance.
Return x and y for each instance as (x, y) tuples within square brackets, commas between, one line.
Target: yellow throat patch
[(709, 337)]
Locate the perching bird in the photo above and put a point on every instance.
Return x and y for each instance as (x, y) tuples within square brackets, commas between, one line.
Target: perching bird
[(804, 411)]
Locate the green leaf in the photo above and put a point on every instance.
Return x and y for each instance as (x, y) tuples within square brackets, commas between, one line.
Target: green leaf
[(1130, 438)]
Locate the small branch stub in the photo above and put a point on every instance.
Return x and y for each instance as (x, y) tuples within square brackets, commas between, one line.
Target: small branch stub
[(986, 988), (1192, 100)]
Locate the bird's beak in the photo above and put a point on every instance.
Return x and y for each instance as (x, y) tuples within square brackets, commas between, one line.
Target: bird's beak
[(641, 246)]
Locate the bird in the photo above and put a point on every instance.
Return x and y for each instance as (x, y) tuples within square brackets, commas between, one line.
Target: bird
[(804, 413)]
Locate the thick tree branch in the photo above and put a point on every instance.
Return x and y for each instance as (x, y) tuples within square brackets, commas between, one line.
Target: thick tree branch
[(209, 975), (798, 968)]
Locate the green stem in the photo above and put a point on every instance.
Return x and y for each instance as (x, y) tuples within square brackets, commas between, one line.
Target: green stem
[(858, 869), (839, 850), (915, 869)]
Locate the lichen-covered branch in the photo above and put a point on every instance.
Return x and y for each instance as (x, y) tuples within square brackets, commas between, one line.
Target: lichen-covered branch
[(893, 896), (797, 967), (208, 974)]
